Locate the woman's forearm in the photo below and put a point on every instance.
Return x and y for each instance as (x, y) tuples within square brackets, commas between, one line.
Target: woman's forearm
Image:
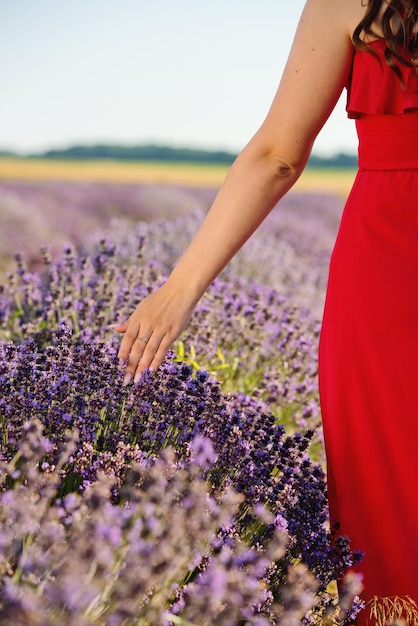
[(255, 183)]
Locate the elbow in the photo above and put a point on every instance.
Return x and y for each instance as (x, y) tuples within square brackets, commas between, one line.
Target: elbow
[(284, 166), (276, 164), (285, 160)]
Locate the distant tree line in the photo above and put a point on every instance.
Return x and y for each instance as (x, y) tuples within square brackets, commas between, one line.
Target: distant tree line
[(141, 153), (171, 155)]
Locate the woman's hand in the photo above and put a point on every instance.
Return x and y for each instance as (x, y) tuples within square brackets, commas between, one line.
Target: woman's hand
[(152, 329)]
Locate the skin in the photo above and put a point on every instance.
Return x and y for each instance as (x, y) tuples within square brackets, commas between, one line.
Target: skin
[(316, 72)]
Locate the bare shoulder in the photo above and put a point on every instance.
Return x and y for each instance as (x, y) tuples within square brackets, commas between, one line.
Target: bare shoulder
[(340, 16), (355, 12)]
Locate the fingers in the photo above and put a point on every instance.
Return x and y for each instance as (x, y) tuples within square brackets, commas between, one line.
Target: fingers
[(146, 353), (153, 355), (133, 344), (140, 356), (151, 330), (141, 349), (121, 328)]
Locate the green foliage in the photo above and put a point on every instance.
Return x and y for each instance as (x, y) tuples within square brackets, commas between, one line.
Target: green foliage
[(141, 153)]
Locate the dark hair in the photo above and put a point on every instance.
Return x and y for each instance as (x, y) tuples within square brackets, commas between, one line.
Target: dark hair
[(398, 22)]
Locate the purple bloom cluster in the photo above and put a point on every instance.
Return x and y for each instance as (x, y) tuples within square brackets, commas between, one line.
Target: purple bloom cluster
[(165, 551), (249, 336), (77, 386), (191, 498), (86, 560)]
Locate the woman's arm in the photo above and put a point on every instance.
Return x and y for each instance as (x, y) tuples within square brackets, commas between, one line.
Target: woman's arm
[(315, 74)]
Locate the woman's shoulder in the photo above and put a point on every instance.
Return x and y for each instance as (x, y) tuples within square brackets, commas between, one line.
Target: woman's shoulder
[(354, 11), (339, 14)]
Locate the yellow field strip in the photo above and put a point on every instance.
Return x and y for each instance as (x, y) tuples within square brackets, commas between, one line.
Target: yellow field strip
[(200, 175)]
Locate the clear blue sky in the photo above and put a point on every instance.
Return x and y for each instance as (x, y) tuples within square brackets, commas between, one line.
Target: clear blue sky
[(193, 73)]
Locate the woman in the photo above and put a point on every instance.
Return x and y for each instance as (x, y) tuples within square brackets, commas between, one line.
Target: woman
[(369, 339)]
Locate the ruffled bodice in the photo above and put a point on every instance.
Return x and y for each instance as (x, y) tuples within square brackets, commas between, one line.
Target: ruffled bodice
[(374, 88)]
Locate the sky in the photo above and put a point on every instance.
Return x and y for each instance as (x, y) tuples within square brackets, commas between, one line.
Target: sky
[(188, 73)]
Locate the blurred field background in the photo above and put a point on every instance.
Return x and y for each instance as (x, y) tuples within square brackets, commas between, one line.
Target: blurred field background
[(54, 202)]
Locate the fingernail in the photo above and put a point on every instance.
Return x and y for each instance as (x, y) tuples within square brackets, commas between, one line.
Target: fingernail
[(121, 362), (140, 376), (127, 379)]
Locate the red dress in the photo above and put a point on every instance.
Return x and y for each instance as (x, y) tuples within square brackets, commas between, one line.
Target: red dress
[(368, 356)]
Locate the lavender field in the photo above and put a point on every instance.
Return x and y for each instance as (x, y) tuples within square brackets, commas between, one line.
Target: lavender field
[(197, 497)]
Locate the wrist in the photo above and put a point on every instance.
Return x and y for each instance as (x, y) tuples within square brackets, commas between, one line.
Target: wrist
[(191, 288)]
